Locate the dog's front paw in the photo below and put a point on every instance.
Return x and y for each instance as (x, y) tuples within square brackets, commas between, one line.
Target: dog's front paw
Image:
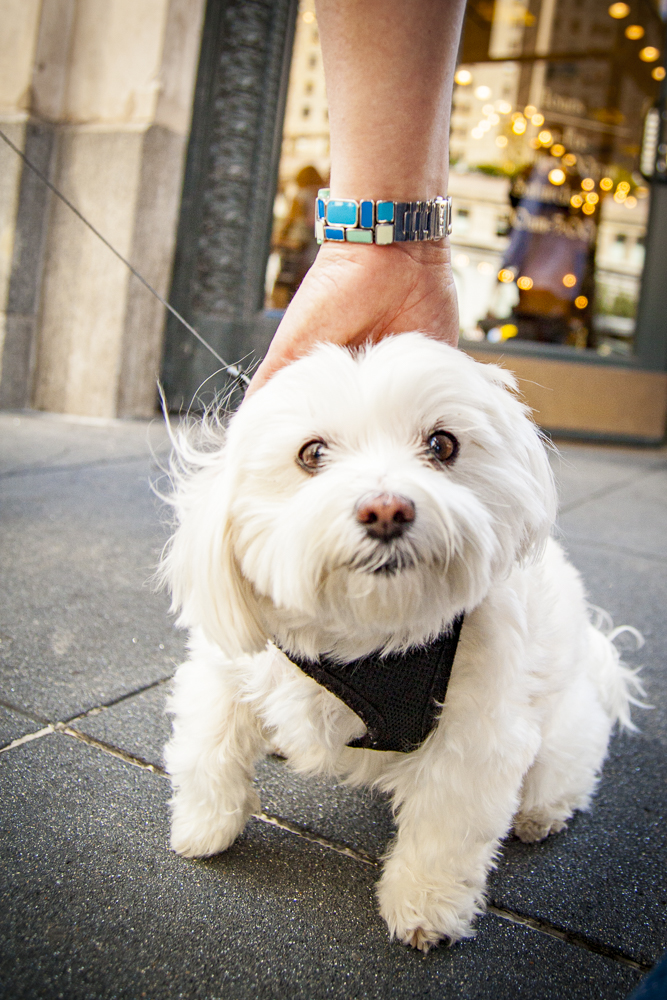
[(199, 833), (537, 825), (421, 910)]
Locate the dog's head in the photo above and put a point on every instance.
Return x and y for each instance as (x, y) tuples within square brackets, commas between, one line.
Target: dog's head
[(358, 500)]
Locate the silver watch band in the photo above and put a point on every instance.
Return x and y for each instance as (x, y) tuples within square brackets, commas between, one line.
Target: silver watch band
[(345, 220)]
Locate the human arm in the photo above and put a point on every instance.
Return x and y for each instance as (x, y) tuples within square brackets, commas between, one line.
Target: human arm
[(389, 67)]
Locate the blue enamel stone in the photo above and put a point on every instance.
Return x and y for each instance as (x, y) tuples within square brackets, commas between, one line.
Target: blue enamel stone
[(342, 213), (366, 215), (320, 209), (334, 234), (385, 211)]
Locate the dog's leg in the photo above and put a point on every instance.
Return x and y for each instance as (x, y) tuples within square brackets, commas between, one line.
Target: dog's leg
[(210, 758), (453, 809), (565, 773)]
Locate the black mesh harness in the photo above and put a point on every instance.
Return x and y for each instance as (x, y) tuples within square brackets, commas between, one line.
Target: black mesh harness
[(398, 696)]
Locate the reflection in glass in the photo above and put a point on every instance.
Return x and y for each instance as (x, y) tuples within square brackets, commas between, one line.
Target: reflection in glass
[(548, 119)]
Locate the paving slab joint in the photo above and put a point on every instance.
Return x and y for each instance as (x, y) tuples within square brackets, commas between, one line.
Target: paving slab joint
[(128, 758), (98, 463), (606, 491), (570, 937), (533, 923)]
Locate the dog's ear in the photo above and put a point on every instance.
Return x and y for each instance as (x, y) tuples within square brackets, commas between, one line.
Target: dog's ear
[(199, 564), (499, 376), (533, 491)]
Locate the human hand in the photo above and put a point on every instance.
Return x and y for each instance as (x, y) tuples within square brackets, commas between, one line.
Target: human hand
[(358, 294)]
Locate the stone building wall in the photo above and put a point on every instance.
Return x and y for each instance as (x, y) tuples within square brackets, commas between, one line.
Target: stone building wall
[(98, 93)]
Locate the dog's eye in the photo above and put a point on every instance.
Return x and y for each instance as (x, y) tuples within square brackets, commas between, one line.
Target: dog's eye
[(443, 447), (312, 455)]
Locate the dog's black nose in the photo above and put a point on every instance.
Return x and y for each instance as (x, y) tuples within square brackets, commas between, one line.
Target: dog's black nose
[(386, 516)]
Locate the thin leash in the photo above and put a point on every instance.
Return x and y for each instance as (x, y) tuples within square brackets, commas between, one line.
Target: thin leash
[(232, 370)]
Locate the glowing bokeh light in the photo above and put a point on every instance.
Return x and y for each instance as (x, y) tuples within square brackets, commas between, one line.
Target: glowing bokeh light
[(485, 267)]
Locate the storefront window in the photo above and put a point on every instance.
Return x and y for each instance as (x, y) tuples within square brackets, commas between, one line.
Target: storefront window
[(552, 106)]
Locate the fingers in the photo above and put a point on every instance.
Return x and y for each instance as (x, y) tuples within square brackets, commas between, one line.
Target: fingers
[(357, 295)]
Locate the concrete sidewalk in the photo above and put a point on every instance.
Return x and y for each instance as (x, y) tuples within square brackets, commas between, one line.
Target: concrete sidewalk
[(96, 906)]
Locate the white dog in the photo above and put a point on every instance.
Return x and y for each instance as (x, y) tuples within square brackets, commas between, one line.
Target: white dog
[(358, 503)]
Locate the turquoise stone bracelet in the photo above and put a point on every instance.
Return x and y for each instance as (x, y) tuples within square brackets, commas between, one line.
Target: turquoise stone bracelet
[(345, 220)]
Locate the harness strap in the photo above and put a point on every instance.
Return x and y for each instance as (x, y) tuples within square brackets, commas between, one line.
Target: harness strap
[(397, 696)]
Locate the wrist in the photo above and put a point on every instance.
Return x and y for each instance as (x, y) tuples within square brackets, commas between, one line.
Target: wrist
[(434, 253), (404, 182)]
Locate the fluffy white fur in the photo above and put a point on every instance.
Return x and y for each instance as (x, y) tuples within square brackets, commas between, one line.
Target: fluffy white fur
[(264, 550)]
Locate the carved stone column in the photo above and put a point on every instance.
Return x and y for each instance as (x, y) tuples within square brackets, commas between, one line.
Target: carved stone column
[(226, 211)]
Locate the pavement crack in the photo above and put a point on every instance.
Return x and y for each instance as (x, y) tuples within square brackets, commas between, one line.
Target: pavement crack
[(96, 709), (33, 716), (28, 738), (315, 838), (50, 727), (262, 817), (100, 463), (113, 751), (570, 937), (606, 491), (611, 547)]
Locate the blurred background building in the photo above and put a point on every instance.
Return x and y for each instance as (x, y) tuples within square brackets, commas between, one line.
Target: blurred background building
[(194, 134)]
